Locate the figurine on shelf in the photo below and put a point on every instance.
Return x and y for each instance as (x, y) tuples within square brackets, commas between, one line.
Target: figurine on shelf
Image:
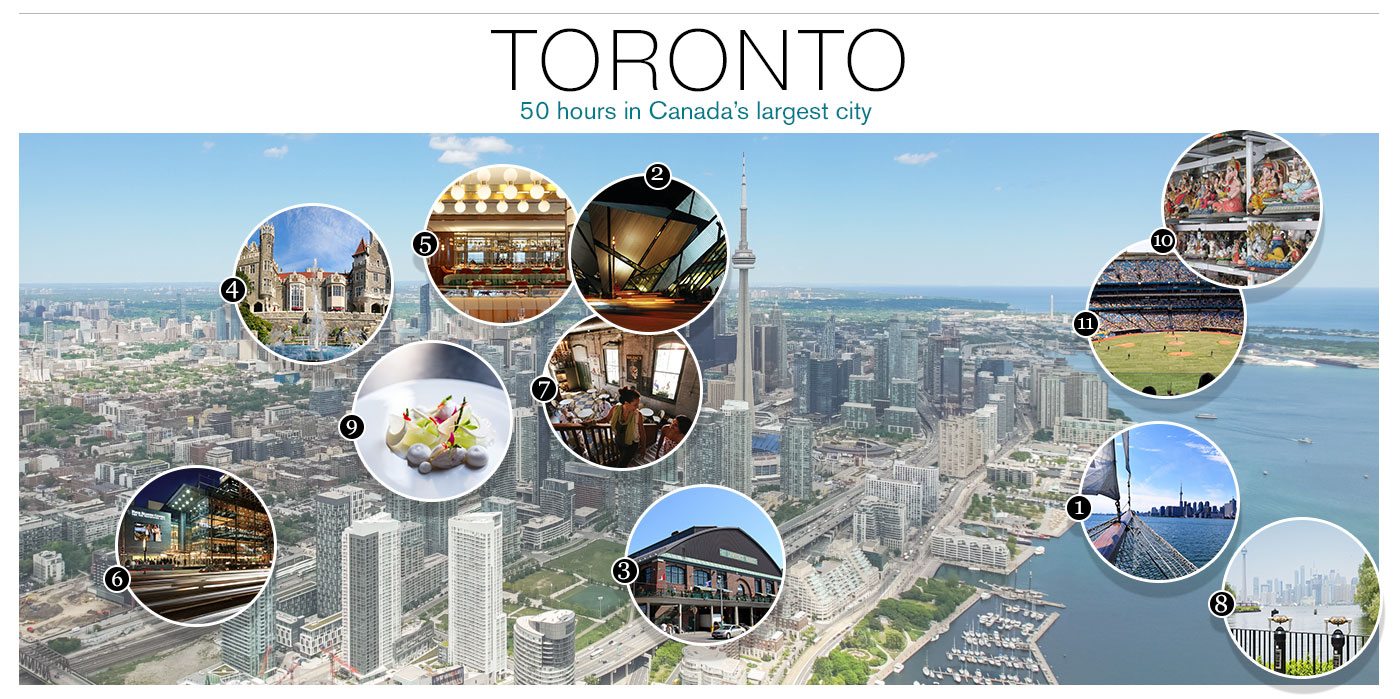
[(1229, 198)]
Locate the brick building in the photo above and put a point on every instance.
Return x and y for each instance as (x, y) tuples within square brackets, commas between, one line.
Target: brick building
[(699, 576)]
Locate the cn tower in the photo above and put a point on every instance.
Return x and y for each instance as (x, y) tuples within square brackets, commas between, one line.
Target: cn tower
[(744, 260)]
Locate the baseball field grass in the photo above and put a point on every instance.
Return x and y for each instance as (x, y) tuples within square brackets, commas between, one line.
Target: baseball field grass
[(1169, 363)]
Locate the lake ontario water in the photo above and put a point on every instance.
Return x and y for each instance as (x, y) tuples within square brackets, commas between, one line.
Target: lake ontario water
[(1119, 631)]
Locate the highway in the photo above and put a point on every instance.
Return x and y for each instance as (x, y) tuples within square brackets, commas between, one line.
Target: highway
[(197, 597), (617, 649), (802, 530)]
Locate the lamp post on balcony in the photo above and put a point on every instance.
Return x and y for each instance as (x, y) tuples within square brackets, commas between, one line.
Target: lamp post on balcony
[(714, 579)]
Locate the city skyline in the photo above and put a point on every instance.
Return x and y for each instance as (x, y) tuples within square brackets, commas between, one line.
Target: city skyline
[(1280, 550), (1168, 459), (1038, 186), (875, 505)]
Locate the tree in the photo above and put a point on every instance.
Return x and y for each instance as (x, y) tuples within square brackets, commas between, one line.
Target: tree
[(65, 644), (1011, 544), (590, 679), (1368, 594)]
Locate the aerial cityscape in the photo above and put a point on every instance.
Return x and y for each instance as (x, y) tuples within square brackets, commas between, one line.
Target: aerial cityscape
[(914, 447)]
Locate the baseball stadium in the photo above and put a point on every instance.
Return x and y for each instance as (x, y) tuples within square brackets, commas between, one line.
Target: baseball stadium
[(1163, 330)]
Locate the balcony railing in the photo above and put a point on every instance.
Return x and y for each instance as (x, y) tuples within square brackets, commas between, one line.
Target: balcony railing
[(675, 592)]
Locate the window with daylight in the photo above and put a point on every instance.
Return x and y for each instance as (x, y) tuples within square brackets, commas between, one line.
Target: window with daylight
[(702, 578), (666, 376), (612, 364)]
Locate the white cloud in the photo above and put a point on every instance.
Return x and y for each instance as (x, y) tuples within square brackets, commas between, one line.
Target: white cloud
[(915, 158), (275, 151), (466, 151), (1207, 451), (207, 146)]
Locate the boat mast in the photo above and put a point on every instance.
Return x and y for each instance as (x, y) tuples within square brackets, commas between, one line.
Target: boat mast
[(1129, 467)]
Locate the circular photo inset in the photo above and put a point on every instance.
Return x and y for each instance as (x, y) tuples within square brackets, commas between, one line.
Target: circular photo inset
[(1163, 331), (319, 283), (649, 260), (1245, 206), (437, 421), (199, 544), (501, 233), (625, 400), (1307, 598), (710, 564), (1165, 501)]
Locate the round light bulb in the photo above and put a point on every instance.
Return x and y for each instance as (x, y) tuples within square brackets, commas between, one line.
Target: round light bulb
[(483, 175), (537, 191), (510, 174), (483, 191), (523, 206), (501, 207), (544, 206), (458, 191), (510, 191), (481, 207), (439, 207), (460, 207)]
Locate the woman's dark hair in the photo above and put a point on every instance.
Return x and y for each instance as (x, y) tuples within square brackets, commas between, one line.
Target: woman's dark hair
[(683, 424), (627, 395)]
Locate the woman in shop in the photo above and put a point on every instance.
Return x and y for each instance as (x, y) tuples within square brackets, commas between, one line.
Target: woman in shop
[(626, 422)]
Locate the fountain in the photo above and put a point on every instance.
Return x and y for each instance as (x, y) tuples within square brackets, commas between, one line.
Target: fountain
[(315, 347), (313, 336)]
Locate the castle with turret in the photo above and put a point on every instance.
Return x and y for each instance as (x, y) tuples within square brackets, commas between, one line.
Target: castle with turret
[(364, 288)]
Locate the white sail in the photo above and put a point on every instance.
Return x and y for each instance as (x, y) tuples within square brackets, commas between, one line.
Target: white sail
[(1101, 477)]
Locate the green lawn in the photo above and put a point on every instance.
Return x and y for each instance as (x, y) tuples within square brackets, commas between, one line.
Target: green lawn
[(583, 600), (1171, 363), (593, 561), (540, 584)]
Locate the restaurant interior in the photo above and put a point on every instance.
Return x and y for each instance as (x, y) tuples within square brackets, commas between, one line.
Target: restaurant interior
[(501, 233), (594, 363)]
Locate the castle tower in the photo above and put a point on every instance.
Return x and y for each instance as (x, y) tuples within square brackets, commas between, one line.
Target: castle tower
[(267, 271)]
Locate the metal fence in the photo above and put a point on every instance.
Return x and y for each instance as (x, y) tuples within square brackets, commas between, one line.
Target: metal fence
[(1278, 647)]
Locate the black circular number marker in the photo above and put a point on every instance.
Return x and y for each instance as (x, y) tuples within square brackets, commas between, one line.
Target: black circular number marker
[(351, 426), (233, 289), (544, 389), (625, 570), (1222, 603), (657, 176), (425, 244), (117, 578), (1086, 323), (1078, 508), (1162, 240)]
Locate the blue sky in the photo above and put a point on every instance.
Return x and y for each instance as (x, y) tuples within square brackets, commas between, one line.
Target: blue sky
[(962, 209), (706, 505), (1277, 551), (308, 235), (1166, 458)]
